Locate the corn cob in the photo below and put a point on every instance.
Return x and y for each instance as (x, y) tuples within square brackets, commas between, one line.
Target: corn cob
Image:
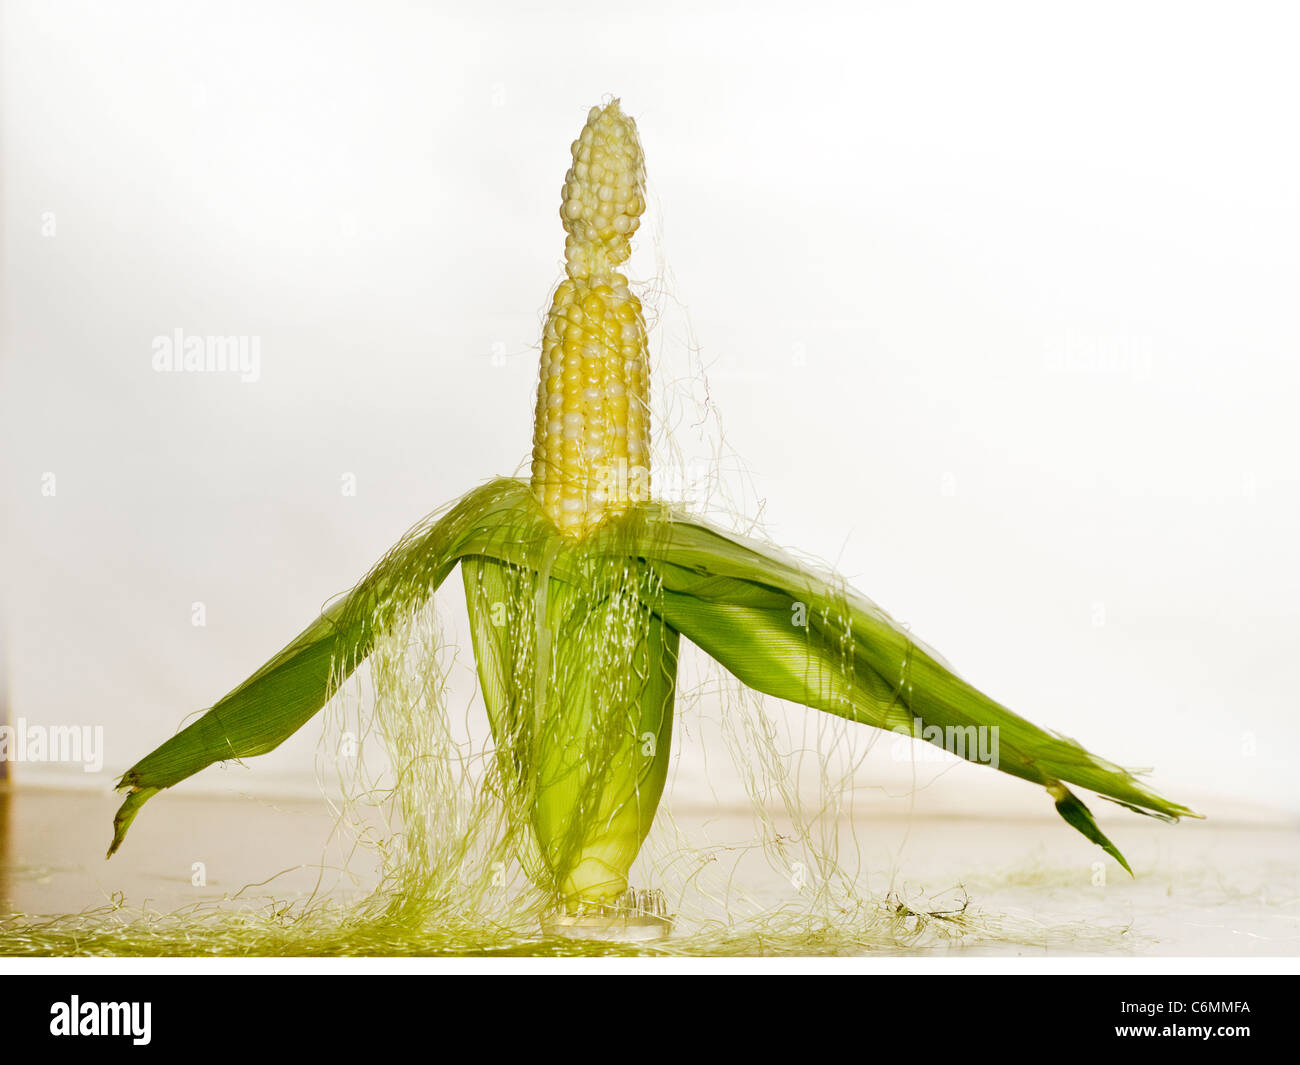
[(591, 435)]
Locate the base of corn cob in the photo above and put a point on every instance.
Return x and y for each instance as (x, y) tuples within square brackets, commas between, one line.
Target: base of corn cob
[(578, 680), (635, 917)]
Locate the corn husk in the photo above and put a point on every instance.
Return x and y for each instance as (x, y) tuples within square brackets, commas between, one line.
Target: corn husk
[(580, 668)]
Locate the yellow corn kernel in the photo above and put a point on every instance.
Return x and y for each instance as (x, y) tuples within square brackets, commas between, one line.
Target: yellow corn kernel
[(591, 434)]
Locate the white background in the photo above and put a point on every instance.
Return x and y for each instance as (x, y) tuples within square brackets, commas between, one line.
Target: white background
[(998, 300)]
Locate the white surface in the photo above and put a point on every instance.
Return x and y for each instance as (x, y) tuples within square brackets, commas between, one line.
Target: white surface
[(999, 303), (1031, 886)]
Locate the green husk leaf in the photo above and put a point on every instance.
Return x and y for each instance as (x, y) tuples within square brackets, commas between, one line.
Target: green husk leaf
[(277, 700), (1070, 807), (740, 601)]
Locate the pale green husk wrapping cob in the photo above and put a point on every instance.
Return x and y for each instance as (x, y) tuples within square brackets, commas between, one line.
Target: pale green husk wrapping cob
[(579, 587)]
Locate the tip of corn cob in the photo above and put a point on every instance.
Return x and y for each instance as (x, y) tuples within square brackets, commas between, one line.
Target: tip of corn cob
[(604, 193)]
